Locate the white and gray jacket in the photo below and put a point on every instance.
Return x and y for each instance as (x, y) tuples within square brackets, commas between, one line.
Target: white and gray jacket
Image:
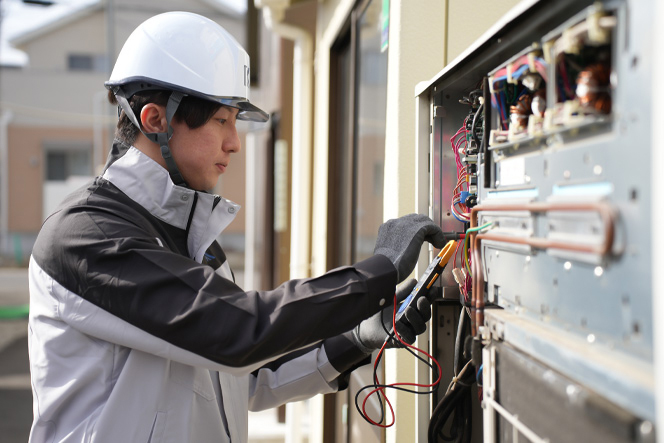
[(138, 333)]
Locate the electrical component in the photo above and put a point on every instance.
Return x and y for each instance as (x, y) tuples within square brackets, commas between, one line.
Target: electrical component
[(514, 91), (427, 279), (567, 254)]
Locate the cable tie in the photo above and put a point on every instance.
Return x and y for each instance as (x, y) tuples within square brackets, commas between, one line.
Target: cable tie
[(509, 74)]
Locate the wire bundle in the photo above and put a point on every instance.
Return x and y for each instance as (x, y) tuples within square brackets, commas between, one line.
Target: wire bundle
[(503, 93), (456, 404), (379, 388), (459, 145)]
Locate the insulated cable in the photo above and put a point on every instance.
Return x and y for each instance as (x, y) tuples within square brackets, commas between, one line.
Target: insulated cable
[(380, 388)]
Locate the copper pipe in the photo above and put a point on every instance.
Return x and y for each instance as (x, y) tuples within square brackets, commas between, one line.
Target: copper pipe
[(605, 211)]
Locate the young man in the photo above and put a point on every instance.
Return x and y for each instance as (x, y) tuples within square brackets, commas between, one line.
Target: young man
[(137, 330)]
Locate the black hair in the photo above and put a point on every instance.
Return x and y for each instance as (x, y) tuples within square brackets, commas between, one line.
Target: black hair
[(194, 111)]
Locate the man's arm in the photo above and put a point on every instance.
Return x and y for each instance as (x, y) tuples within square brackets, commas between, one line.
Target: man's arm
[(318, 369), (121, 285)]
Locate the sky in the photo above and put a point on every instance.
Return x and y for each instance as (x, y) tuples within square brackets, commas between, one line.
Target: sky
[(17, 17)]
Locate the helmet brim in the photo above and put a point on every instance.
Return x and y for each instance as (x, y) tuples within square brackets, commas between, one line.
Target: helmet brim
[(130, 86)]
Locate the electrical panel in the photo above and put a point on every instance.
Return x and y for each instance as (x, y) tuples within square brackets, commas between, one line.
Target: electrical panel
[(540, 153)]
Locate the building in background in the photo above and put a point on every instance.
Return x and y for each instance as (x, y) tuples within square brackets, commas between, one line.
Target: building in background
[(56, 125)]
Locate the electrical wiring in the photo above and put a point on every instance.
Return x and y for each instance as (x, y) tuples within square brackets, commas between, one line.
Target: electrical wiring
[(379, 388), (465, 242), (459, 142), (456, 403), (472, 127), (505, 88), (457, 378), (457, 341)]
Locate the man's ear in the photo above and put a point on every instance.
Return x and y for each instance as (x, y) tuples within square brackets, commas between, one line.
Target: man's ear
[(153, 118)]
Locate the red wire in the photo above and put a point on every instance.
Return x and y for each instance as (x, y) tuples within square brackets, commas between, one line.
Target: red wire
[(382, 389)]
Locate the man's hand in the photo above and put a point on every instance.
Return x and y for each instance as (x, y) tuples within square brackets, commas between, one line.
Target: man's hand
[(401, 239), (370, 334)]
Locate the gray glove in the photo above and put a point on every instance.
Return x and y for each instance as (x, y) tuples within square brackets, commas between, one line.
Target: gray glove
[(401, 239), (370, 334)]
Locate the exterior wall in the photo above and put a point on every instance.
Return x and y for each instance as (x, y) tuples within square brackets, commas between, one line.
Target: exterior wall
[(422, 41), (26, 163), (331, 17), (27, 171), (48, 93), (416, 48), (481, 13), (83, 36)]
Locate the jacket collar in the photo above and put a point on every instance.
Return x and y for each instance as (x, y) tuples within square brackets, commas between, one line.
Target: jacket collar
[(149, 184)]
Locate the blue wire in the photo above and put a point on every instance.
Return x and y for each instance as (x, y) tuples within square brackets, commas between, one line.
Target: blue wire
[(454, 215), (515, 74), (479, 374)]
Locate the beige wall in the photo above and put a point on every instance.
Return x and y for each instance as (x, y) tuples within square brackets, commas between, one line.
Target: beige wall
[(84, 36), (468, 20), (26, 163)]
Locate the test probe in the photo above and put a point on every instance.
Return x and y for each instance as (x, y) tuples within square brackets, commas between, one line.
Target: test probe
[(428, 278)]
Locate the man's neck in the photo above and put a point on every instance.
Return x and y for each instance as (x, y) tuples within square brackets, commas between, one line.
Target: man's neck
[(147, 147)]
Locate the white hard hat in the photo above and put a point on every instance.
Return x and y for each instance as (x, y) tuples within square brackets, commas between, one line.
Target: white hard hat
[(188, 53)]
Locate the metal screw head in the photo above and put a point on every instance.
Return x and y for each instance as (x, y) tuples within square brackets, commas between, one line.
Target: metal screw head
[(231, 210)]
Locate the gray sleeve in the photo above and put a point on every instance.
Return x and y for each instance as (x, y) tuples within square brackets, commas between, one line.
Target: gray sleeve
[(318, 369), (122, 270)]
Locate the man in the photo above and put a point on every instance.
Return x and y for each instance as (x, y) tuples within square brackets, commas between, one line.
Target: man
[(137, 331)]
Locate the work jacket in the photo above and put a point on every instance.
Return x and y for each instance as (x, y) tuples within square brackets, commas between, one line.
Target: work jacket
[(137, 332)]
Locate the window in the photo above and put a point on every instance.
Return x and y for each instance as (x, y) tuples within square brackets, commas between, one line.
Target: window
[(63, 163), (87, 62), (358, 98)]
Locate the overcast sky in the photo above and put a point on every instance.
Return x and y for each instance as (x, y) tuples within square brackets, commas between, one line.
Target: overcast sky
[(17, 17)]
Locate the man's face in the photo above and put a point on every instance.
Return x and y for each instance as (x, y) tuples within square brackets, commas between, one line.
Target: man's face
[(204, 153)]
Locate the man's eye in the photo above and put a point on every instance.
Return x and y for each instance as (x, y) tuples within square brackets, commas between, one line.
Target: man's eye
[(222, 120)]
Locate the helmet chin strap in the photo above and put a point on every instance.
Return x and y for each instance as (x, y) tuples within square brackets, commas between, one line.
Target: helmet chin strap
[(160, 138)]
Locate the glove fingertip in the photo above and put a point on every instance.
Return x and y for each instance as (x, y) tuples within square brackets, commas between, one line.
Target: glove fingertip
[(415, 320), (437, 239), (407, 336), (424, 308)]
